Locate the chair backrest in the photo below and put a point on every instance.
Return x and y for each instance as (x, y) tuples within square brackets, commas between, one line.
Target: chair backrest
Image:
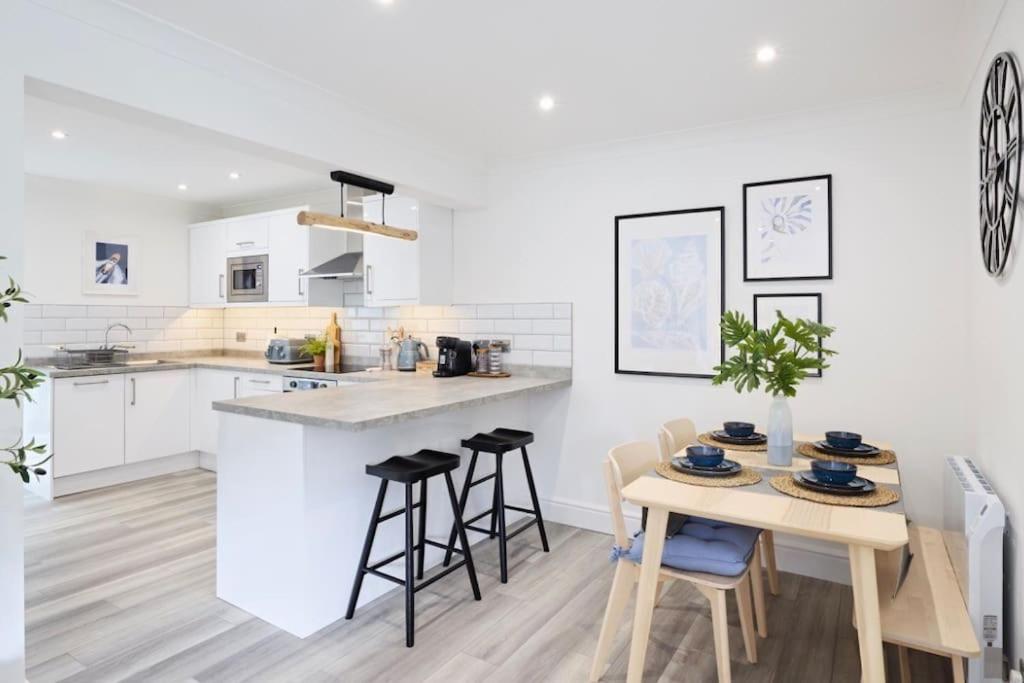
[(624, 464), (675, 435)]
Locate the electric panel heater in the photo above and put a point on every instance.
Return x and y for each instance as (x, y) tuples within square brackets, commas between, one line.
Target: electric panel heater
[(973, 522)]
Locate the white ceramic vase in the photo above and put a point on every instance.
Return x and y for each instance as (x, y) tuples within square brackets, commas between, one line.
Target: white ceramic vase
[(780, 433)]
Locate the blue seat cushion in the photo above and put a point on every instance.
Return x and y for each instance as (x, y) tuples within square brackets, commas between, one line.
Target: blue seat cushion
[(705, 545)]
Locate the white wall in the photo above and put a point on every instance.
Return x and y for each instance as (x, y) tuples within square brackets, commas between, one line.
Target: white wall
[(995, 319), (896, 297), (59, 212), (12, 589)]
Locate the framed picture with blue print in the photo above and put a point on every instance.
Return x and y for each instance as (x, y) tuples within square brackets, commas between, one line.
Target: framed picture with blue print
[(670, 292)]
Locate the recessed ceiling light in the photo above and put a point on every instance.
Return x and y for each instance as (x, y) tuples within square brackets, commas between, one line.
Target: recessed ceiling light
[(546, 103), (182, 187), (58, 134), (234, 175), (386, 2), (766, 54)]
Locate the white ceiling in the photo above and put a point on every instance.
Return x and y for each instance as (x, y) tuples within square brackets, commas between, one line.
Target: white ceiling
[(115, 146), (470, 72)]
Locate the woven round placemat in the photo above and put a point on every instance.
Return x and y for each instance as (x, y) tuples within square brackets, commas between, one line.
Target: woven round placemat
[(709, 440), (881, 496), (886, 457), (745, 477)]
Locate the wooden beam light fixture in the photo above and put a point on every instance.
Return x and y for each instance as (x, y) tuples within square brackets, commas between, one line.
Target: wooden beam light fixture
[(326, 220)]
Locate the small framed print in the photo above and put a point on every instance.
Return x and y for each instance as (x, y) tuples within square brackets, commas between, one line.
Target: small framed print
[(787, 229), (793, 306), (110, 264), (670, 292)]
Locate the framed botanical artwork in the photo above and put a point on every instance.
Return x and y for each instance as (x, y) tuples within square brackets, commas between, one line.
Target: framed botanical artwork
[(670, 292), (787, 229), (806, 306), (110, 264)]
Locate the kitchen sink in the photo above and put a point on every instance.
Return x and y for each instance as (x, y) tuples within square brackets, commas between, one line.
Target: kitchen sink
[(137, 363)]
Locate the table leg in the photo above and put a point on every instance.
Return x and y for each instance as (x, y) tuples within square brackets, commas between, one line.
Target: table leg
[(958, 669), (650, 567), (865, 602)]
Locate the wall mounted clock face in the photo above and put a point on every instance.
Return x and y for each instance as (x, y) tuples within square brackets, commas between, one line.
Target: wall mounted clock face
[(1000, 141)]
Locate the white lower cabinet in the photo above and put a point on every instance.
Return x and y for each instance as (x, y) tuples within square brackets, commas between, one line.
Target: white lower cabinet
[(156, 414), (88, 424), (256, 384), (209, 386)]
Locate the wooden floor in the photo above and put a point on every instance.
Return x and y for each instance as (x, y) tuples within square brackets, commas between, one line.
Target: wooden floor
[(120, 586)]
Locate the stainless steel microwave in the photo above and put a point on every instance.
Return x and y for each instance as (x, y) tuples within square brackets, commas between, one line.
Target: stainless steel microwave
[(247, 278)]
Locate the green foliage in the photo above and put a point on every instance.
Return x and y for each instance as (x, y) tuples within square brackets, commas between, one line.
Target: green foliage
[(15, 383), (778, 358), (315, 346)]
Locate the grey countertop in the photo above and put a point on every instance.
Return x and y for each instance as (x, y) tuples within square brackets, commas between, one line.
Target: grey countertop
[(381, 398)]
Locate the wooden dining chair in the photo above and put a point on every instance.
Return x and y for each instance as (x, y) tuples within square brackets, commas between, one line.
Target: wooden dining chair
[(624, 464), (674, 436)]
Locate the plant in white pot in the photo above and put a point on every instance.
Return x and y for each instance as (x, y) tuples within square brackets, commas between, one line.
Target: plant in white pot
[(779, 358), (15, 382)]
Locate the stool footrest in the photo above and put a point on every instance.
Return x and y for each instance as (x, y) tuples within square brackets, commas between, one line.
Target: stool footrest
[(521, 529), (437, 577), (399, 511), (519, 509), (482, 479), (385, 576), (483, 514)]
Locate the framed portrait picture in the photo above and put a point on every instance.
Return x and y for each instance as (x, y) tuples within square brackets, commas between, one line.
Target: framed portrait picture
[(110, 264), (787, 229), (670, 292), (806, 306)]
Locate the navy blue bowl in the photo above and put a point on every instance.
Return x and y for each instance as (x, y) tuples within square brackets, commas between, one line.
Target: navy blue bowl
[(833, 472), (738, 429), (705, 456), (848, 440)]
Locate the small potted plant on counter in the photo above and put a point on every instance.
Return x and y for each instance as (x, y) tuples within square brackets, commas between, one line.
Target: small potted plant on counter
[(779, 357), (316, 347)]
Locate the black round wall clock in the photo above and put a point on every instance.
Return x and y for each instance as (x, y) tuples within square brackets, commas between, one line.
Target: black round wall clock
[(1000, 141)]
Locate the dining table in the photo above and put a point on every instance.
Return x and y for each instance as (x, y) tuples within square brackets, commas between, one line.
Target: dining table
[(863, 530)]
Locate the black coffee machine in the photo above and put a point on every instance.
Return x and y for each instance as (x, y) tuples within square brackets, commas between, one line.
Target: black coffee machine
[(454, 357)]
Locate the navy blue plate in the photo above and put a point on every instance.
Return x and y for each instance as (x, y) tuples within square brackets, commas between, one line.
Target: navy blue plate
[(752, 440), (723, 469), (863, 450), (858, 486)]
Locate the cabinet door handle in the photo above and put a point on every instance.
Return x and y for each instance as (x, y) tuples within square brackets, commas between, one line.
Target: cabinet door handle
[(85, 384), (133, 391), (259, 381), (242, 244), (236, 388), (369, 279), (301, 293), (220, 286)]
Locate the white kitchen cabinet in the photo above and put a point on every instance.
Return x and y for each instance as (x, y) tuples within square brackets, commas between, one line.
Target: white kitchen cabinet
[(88, 424), (403, 272), (209, 386), (156, 414), (289, 256), (207, 264), (248, 234), (257, 384)]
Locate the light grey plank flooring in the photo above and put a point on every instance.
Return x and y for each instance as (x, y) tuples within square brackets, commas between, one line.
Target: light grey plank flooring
[(120, 585)]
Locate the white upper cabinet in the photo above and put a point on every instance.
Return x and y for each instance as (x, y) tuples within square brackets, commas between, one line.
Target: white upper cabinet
[(401, 272), (207, 264), (289, 256), (249, 234)]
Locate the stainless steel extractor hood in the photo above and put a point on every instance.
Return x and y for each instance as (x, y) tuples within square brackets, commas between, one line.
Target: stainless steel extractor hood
[(348, 266)]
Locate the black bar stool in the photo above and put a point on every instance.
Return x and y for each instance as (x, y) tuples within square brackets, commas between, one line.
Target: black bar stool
[(498, 442), (408, 470)]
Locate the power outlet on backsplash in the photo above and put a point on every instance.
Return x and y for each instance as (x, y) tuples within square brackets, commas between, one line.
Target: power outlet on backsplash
[(240, 336)]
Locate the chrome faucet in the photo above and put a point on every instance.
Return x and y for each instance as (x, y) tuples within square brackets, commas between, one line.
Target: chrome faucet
[(106, 335)]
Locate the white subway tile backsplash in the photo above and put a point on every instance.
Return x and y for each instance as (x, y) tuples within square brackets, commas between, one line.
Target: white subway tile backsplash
[(107, 311), (476, 326), (28, 337), (533, 310), (561, 359), (175, 311), (461, 311), (502, 326), (62, 336), (561, 310), (552, 326), (495, 311), (87, 323), (533, 342), (32, 311), (64, 311), (32, 324), (562, 342)]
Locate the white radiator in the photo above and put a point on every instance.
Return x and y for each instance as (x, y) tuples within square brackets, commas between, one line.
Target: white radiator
[(973, 521)]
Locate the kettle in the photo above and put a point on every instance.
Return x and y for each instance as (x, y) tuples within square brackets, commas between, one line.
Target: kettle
[(411, 350)]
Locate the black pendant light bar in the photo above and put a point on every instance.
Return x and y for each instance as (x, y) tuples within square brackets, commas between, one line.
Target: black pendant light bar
[(346, 178)]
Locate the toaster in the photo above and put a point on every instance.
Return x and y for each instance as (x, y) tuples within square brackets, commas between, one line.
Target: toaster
[(286, 351)]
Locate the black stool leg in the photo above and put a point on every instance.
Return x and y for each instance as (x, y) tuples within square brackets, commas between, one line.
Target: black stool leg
[(367, 546), (536, 503), (410, 589), (423, 529), (499, 493), (463, 499), (461, 529), (494, 505)]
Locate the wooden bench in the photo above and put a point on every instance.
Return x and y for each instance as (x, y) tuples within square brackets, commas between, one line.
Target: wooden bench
[(928, 613)]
